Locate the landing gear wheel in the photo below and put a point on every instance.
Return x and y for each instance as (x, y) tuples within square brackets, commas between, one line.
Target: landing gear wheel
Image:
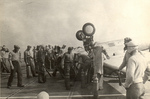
[(80, 35), (88, 29)]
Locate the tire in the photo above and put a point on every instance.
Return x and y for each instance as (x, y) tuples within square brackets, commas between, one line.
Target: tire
[(80, 35), (88, 29)]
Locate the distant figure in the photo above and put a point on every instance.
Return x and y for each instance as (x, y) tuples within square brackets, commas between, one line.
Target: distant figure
[(29, 62), (41, 65), (58, 58), (35, 51), (14, 60), (43, 95), (47, 62), (3, 59)]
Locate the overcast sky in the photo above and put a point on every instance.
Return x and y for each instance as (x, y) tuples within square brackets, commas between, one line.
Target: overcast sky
[(33, 22)]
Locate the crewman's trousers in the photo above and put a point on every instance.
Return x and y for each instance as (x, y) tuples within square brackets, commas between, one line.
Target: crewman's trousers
[(41, 73), (30, 66), (135, 91), (17, 69), (100, 81)]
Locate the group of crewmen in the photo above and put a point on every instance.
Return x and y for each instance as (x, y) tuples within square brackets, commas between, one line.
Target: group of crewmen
[(44, 58), (63, 61)]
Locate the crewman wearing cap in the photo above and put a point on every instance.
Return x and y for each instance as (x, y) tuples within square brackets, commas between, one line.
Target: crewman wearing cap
[(136, 67), (14, 60), (29, 62)]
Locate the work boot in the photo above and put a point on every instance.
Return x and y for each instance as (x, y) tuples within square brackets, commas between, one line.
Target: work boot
[(35, 75), (8, 87), (29, 76), (20, 85)]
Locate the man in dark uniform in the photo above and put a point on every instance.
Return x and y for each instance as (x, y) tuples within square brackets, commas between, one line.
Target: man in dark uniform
[(29, 62), (41, 64), (67, 63), (35, 50), (14, 60), (85, 63), (58, 58)]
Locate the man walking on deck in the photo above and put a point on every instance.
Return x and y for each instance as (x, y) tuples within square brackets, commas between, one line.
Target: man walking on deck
[(14, 60), (29, 62)]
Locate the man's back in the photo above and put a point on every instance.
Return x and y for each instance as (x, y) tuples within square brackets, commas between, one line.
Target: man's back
[(139, 65)]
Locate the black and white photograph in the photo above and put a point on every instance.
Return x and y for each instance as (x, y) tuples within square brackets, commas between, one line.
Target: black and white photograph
[(74, 49)]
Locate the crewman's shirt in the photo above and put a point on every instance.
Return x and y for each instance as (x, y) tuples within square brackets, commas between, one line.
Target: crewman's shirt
[(135, 69), (98, 60), (67, 58), (15, 56), (27, 56)]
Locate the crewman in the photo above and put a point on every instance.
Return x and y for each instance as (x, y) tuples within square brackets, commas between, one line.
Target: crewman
[(29, 62), (47, 62), (3, 58), (85, 63), (97, 55), (58, 58), (127, 55), (14, 60), (67, 63), (50, 56), (35, 50), (136, 67), (41, 65)]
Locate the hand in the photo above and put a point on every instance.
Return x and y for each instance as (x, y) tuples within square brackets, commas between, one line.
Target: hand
[(27, 63), (125, 87), (108, 57), (12, 67)]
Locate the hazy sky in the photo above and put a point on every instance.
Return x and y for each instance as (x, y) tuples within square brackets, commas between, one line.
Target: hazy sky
[(33, 22)]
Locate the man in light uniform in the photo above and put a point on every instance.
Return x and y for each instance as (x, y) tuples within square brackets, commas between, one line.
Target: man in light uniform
[(14, 60), (98, 58), (3, 59), (136, 67), (29, 62)]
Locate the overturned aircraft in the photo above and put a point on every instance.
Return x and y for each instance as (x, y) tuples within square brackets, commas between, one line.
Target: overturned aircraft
[(113, 48)]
